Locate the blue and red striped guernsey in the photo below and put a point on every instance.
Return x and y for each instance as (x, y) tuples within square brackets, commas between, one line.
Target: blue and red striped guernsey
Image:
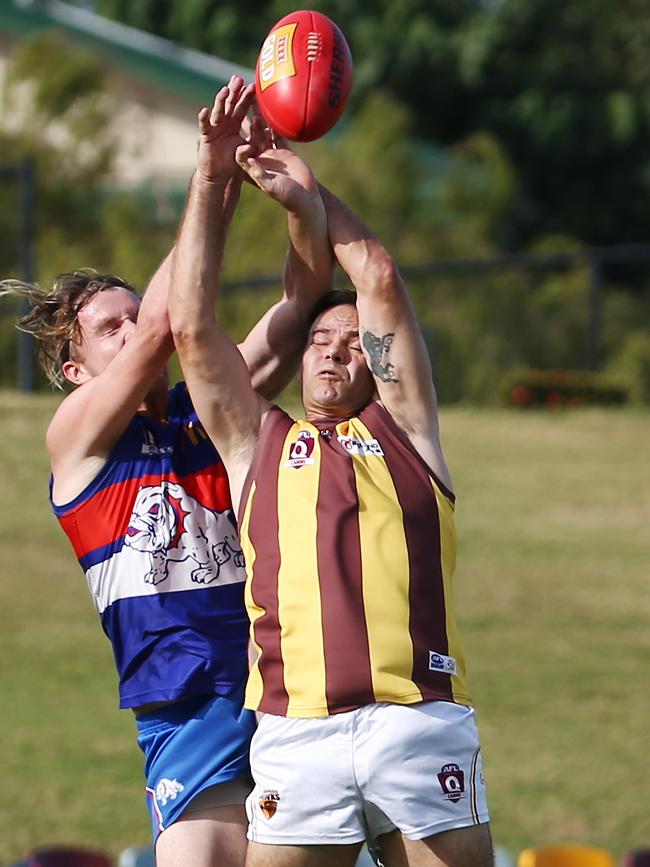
[(350, 547), (156, 538)]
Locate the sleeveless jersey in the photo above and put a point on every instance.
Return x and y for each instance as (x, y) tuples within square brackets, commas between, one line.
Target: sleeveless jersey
[(155, 534), (350, 547)]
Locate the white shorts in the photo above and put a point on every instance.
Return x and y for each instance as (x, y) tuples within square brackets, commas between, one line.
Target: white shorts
[(342, 778)]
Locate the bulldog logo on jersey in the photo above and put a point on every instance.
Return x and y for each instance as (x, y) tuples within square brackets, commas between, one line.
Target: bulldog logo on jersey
[(269, 803), (452, 781), (171, 526), (300, 450)]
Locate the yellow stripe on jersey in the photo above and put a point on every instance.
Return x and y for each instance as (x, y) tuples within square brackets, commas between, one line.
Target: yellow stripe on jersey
[(254, 686), (383, 551), (448, 547), (298, 581)]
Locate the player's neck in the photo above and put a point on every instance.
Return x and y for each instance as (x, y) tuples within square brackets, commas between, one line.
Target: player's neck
[(156, 402)]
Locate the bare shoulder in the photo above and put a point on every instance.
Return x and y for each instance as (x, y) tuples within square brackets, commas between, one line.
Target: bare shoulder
[(59, 437), (72, 463)]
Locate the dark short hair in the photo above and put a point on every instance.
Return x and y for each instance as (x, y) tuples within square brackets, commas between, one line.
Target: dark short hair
[(335, 298)]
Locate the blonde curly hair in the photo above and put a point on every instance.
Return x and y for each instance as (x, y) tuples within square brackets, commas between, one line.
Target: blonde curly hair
[(52, 318)]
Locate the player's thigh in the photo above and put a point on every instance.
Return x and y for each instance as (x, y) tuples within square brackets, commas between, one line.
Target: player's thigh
[(215, 837), (460, 847), (265, 855)]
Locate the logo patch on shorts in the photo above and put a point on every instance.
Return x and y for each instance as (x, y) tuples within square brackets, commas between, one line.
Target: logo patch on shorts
[(452, 782), (269, 803), (438, 662), (167, 790)]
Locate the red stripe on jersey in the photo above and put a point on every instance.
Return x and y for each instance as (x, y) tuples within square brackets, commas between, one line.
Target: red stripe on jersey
[(427, 620), (345, 636), (106, 515), (264, 535)]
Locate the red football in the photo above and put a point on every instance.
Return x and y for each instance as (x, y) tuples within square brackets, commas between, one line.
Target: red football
[(303, 75)]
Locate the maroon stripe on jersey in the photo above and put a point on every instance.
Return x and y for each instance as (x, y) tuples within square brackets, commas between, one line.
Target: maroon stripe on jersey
[(263, 533), (427, 619), (348, 676), (376, 411)]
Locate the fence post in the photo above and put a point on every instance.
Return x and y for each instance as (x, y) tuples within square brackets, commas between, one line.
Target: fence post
[(595, 312)]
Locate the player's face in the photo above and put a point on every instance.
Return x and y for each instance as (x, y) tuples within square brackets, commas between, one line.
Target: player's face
[(335, 377), (106, 323)]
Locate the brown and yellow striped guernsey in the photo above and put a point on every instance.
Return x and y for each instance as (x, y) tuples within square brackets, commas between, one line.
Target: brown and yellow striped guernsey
[(350, 548)]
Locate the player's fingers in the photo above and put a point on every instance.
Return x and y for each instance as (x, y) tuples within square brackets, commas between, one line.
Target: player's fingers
[(243, 153), (217, 112), (236, 90), (260, 136), (243, 103), (279, 141), (250, 165), (204, 120), (236, 82), (255, 108), (245, 127)]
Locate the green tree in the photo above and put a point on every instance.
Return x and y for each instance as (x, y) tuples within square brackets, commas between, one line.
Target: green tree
[(562, 86)]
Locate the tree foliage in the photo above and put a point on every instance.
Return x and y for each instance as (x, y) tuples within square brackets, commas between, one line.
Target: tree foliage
[(468, 190), (563, 87)]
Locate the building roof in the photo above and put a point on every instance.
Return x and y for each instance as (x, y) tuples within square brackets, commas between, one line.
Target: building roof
[(187, 72)]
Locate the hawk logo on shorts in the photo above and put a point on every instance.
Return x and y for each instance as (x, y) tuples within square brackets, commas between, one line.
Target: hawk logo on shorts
[(300, 451), (452, 782), (167, 790), (269, 803)]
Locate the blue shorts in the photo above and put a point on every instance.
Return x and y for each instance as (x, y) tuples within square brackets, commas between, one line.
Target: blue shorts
[(190, 746)]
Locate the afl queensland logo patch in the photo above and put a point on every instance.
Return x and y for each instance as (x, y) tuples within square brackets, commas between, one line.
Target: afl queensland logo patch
[(300, 451), (452, 782)]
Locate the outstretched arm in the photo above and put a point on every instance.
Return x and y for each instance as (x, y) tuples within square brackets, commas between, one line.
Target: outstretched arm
[(390, 336), (272, 348), (91, 419), (216, 374)]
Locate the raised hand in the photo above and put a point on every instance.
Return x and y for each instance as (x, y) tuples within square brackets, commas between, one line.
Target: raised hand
[(219, 130), (276, 170)]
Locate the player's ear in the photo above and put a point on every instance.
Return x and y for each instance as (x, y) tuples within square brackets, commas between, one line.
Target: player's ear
[(75, 372)]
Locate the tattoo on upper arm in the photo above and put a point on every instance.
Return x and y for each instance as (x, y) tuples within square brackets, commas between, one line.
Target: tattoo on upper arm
[(377, 349)]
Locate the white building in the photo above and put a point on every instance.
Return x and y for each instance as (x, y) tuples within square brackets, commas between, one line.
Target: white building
[(160, 85)]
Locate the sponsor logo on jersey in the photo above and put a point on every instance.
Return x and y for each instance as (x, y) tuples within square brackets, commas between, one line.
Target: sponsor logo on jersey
[(269, 803), (301, 450), (358, 446), (167, 790), (438, 662), (276, 56), (452, 781), (151, 447)]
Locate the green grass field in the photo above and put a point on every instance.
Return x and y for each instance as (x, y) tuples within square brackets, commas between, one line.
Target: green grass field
[(552, 588)]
